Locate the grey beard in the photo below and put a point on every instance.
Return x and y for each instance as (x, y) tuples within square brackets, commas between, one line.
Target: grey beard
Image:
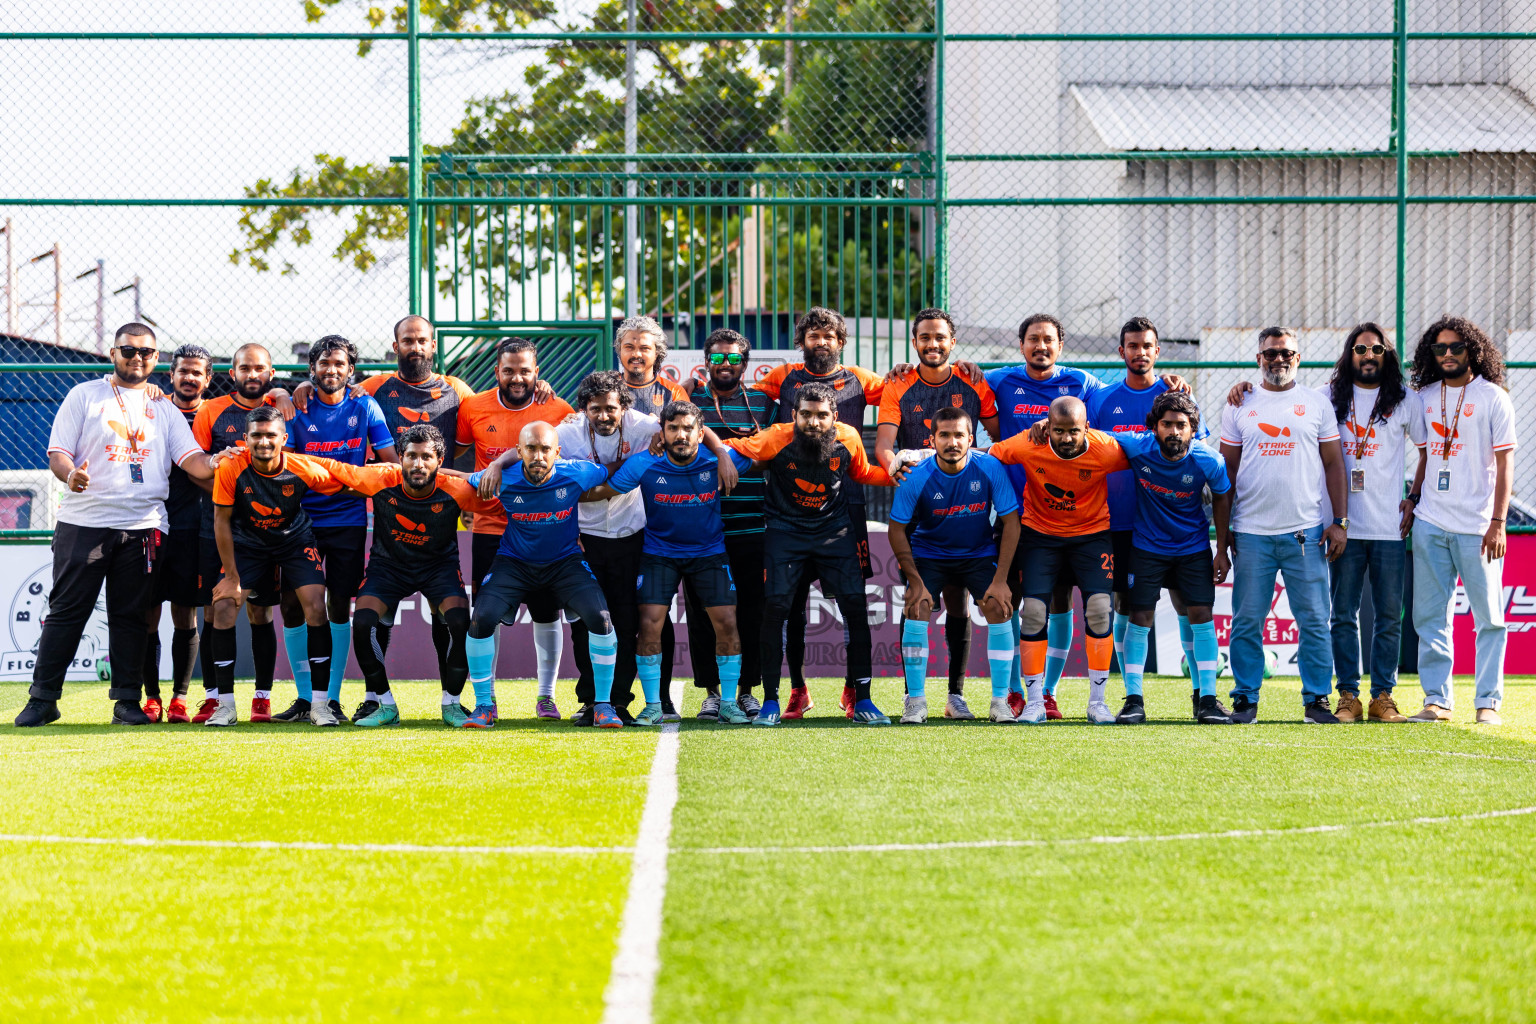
[(1279, 378)]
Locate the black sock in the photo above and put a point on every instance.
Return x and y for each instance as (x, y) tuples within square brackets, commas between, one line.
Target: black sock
[(221, 646), (367, 645), (957, 637), (319, 656), (184, 647), (264, 653), (456, 656), (386, 630), (860, 646), (441, 638), (771, 644), (205, 658), (152, 665)]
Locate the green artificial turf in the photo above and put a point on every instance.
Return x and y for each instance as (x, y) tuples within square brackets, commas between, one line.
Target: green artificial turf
[(1406, 921)]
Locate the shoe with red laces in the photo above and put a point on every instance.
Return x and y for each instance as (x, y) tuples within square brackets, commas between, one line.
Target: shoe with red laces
[(849, 698), (1051, 710), (152, 708), (261, 709), (1015, 703), (799, 703), (205, 710), (176, 711)]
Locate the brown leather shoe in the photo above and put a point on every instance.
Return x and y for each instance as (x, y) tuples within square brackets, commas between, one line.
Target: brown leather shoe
[(1384, 709), (1432, 713), (1349, 709), (1488, 716)]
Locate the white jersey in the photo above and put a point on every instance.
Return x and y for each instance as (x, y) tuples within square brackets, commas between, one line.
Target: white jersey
[(1279, 485), (616, 517), (1486, 425), (1375, 453)]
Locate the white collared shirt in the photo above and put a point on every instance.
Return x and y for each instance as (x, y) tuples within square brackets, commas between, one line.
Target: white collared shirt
[(625, 515)]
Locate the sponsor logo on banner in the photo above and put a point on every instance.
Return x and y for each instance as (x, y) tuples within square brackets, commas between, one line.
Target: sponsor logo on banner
[(26, 606)]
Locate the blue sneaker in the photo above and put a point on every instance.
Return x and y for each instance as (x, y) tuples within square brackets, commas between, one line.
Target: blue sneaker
[(483, 717), (865, 713), (604, 717), (651, 714), (768, 714)]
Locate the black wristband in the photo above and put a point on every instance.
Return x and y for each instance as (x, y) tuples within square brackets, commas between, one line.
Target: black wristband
[(1416, 498)]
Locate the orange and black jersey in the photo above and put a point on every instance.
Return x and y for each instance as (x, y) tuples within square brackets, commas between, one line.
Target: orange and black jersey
[(653, 397), (414, 533), (1064, 497), (910, 402), (218, 424), (434, 401), (856, 389), (804, 496), (267, 508)]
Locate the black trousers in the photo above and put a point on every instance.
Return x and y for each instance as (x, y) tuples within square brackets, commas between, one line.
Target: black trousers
[(616, 564), (745, 554), (83, 558)]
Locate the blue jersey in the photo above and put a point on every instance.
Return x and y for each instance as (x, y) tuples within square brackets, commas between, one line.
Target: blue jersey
[(1120, 409), (1170, 519), (1022, 401), (343, 432), (952, 514), (542, 526), (682, 503)]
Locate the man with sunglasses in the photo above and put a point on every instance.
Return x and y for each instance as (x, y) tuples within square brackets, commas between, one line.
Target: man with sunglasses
[(1279, 445)]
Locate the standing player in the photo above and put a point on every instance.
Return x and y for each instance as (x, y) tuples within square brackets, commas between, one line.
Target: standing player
[(265, 545), (907, 407), (539, 554), (343, 428), (415, 550), (948, 503), (178, 580), (1066, 529), (684, 541), (641, 348), (810, 533)]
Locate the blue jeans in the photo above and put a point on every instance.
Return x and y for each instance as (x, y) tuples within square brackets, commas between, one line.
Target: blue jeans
[(1438, 558), (1305, 570), (1385, 562)]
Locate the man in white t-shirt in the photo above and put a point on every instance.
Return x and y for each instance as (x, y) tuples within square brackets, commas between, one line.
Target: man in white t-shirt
[(113, 449), (1462, 494), (1280, 444)]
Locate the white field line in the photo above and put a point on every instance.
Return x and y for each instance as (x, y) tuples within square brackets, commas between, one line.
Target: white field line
[(637, 961)]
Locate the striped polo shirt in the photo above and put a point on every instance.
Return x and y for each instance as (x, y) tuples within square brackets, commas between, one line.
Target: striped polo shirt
[(741, 414)]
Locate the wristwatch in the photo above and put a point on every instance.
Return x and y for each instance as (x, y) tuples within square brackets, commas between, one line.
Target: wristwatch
[(1342, 522), (1416, 497)]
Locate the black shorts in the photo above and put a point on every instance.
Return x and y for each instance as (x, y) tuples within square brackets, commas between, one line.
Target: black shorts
[(1191, 575), (268, 571), (542, 607), (568, 583), (1121, 540), (391, 582), (1090, 558), (343, 550), (858, 526), (210, 567), (178, 572), (974, 574), (788, 555), (709, 576)]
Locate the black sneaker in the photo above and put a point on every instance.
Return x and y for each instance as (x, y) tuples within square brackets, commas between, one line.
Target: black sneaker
[(128, 712), (1244, 712), (38, 712), (1133, 712), (1210, 712), (624, 715), (298, 711), (338, 711), (583, 716), (365, 709), (1317, 713), (1196, 702)]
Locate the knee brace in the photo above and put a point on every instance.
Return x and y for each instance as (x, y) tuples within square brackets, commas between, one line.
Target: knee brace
[(1032, 616), (1098, 614)]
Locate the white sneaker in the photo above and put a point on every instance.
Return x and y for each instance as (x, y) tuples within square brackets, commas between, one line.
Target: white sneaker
[(1099, 713), (956, 707), (225, 715), (914, 711), (1033, 713), (320, 713), (1001, 713)]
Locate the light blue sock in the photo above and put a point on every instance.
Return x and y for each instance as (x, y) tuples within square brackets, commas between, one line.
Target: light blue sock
[(1187, 641), (604, 650), (1002, 650), (1118, 630), (1058, 641), (482, 669), (341, 642), (729, 667), (296, 643), (649, 668), (914, 656), (1206, 654), (1134, 662), (1016, 679)]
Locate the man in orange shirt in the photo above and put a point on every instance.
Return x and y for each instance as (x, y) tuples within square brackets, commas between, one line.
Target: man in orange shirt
[(1066, 526)]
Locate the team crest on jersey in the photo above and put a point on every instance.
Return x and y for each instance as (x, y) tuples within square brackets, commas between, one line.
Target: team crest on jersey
[(837, 385), (1188, 478), (1085, 474), (657, 400), (561, 492), (837, 460), (437, 509), (351, 421), (1299, 410), (1063, 390), (1466, 410), (975, 486), (704, 476), (287, 490), (956, 401), (623, 447)]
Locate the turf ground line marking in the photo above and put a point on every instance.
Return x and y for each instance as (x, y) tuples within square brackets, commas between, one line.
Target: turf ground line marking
[(261, 844), (636, 962)]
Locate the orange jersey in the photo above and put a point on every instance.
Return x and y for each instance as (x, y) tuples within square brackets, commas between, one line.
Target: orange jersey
[(809, 496), (220, 423), (267, 507), (909, 403), (1064, 497), (493, 428)]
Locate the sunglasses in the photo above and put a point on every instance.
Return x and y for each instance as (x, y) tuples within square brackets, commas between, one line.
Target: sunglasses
[(1269, 355), (717, 358), (1374, 350), (129, 351), (1455, 348)]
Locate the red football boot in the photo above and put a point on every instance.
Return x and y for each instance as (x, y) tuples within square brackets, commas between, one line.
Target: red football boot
[(205, 710), (261, 709), (176, 711), (152, 708), (847, 701), (1051, 710), (1015, 703), (799, 703)]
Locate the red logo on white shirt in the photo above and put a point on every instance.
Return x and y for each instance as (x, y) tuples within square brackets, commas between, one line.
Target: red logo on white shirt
[(1299, 410)]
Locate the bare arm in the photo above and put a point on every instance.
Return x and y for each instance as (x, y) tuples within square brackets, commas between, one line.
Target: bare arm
[(1334, 537), (1233, 455), (389, 455), (1503, 483), (1408, 504), (999, 591), (885, 446), (228, 587), (1221, 512), (727, 472), (71, 476), (919, 603)]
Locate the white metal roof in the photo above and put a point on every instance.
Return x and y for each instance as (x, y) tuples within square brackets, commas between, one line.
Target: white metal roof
[(1466, 118)]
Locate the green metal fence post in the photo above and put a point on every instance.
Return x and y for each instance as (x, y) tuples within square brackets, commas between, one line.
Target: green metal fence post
[(413, 187), (941, 171), (1400, 148)]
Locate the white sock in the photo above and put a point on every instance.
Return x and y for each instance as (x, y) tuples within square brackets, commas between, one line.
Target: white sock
[(263, 694), (387, 699), (210, 693), (1034, 688), (449, 698), (227, 699), (370, 695), (1096, 688), (548, 641)]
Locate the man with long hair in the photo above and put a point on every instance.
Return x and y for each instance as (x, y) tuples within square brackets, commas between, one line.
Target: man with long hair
[(1458, 519)]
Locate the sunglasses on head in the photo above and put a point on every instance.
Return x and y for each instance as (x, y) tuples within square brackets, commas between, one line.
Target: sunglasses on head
[(1269, 355), (129, 351), (1455, 348), (717, 358), (1374, 350)]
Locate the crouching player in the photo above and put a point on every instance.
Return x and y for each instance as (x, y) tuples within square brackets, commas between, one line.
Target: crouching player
[(539, 553), (1170, 547), (684, 540), (950, 499), (415, 550)]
